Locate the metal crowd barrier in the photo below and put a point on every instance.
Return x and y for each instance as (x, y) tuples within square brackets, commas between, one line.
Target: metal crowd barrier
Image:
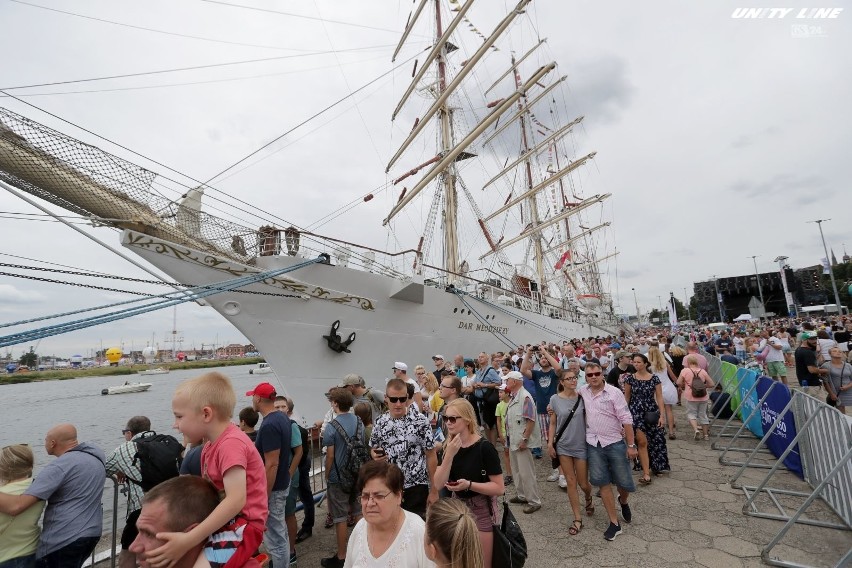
[(823, 442)]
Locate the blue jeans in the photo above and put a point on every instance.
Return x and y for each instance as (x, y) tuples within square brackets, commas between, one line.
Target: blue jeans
[(306, 496), (20, 562), (71, 555), (609, 464), (276, 538)]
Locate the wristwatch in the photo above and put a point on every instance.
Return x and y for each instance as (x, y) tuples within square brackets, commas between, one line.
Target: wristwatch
[(631, 445)]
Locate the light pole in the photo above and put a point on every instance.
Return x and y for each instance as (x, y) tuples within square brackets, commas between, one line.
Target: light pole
[(638, 319), (686, 300), (759, 287), (660, 301), (830, 268), (719, 300), (788, 297)]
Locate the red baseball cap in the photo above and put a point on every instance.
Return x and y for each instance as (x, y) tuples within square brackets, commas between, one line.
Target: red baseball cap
[(263, 390)]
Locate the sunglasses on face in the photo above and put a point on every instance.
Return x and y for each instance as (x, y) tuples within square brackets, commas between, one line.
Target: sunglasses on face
[(397, 399), (593, 374), (452, 419)]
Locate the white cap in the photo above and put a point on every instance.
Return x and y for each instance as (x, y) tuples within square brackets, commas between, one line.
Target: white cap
[(514, 375), (438, 357), (400, 366)]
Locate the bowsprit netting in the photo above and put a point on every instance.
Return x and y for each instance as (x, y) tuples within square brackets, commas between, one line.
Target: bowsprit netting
[(110, 190)]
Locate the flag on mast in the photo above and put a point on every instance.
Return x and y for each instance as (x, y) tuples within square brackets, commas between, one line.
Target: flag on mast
[(672, 308)]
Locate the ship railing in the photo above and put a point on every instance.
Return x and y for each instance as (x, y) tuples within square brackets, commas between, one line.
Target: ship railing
[(401, 264)]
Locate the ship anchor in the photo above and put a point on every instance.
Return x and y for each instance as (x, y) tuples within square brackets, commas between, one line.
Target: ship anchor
[(334, 342)]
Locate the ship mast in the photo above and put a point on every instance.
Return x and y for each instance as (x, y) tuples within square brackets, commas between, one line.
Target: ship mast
[(531, 201), (451, 243)]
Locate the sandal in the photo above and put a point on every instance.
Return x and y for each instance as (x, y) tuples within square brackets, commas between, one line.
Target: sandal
[(646, 480), (590, 505), (575, 527)]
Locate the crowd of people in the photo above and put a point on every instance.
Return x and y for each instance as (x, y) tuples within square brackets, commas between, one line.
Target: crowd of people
[(414, 468)]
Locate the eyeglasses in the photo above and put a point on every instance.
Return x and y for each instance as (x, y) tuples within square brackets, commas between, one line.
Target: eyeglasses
[(125, 431), (446, 386), (593, 374), (397, 399), (376, 497), (452, 419), (572, 378)]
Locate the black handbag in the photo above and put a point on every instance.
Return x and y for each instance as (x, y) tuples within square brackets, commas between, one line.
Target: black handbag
[(510, 546), (652, 418), (492, 396)]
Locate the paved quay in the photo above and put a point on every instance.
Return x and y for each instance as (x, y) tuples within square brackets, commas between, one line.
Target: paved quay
[(691, 517)]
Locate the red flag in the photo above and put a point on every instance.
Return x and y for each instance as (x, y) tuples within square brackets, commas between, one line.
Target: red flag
[(565, 256)]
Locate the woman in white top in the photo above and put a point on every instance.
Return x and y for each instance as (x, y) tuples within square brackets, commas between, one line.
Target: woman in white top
[(387, 535), (786, 348), (825, 345), (661, 369)]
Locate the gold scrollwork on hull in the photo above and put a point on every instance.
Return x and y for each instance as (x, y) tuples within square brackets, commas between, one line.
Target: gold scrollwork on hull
[(209, 261)]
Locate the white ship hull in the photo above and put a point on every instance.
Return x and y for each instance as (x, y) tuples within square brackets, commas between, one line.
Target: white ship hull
[(393, 320)]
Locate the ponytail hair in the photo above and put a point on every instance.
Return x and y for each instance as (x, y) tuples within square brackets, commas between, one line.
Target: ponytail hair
[(450, 526)]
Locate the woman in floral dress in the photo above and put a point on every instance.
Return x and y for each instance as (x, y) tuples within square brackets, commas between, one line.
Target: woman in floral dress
[(644, 393)]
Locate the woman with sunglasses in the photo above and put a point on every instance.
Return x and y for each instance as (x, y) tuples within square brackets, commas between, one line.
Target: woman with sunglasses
[(570, 449), (644, 393), (471, 471), (387, 535)]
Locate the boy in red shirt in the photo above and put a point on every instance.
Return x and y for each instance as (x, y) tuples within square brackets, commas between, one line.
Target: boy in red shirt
[(203, 408)]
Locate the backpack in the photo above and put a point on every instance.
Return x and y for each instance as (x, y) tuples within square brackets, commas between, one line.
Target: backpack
[(358, 454), (306, 446), (159, 459), (699, 389)]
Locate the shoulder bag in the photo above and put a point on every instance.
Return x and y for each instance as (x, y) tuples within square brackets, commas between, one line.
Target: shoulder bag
[(567, 421), (510, 546)]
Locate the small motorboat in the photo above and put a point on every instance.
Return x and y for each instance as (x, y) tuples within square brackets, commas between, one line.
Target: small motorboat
[(127, 387), (261, 369), (155, 371)]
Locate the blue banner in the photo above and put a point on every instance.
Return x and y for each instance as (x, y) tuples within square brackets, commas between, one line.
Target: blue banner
[(750, 403), (781, 437)]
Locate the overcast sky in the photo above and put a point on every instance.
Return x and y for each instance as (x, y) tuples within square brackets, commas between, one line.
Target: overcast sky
[(718, 137)]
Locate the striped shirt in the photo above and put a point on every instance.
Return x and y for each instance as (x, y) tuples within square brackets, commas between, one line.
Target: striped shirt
[(606, 412)]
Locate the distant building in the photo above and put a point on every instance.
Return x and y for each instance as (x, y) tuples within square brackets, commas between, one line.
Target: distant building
[(736, 292)]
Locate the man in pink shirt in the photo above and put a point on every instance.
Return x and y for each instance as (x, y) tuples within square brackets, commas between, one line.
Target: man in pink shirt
[(608, 455), (692, 349)]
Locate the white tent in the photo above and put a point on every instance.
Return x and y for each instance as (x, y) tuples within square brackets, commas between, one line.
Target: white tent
[(743, 317)]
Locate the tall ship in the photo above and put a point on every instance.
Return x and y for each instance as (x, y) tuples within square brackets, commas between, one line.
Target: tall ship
[(507, 248)]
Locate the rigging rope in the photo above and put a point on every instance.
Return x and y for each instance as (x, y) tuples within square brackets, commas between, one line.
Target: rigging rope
[(167, 300)]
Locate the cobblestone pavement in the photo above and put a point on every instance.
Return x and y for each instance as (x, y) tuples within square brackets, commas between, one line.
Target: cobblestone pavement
[(690, 517)]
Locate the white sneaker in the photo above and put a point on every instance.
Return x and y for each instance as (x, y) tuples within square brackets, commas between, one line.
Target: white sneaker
[(554, 475), (562, 483)]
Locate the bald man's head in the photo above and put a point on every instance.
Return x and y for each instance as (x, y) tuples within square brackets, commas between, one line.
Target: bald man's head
[(60, 439)]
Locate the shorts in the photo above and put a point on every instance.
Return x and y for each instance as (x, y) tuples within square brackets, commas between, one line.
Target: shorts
[(776, 369), (340, 503), (128, 535), (292, 496), (488, 410), (697, 410), (608, 464), (482, 512), (233, 545)]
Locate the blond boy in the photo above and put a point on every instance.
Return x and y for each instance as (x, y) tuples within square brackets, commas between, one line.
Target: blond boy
[(203, 408)]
